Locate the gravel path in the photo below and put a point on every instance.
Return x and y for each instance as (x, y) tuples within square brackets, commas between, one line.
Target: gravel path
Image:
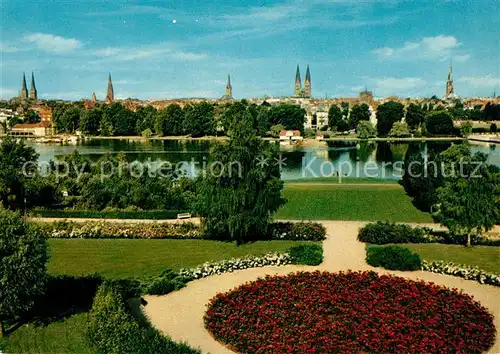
[(180, 314)]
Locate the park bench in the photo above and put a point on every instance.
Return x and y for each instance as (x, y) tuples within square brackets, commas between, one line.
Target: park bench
[(184, 216)]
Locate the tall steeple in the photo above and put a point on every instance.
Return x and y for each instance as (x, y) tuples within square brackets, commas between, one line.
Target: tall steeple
[(33, 91), (298, 83), (450, 90), (229, 88), (307, 84), (94, 97), (110, 95), (24, 90)]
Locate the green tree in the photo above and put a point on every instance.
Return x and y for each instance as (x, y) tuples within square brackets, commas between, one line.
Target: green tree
[(199, 119), (17, 163), (291, 116), (359, 113), (67, 122), (334, 118), (470, 204), (387, 114), (146, 116), (276, 130), (263, 120), (415, 116), (31, 116), (439, 123), (399, 130), (366, 130), (23, 259), (493, 128), (466, 129), (237, 199), (90, 120), (345, 110)]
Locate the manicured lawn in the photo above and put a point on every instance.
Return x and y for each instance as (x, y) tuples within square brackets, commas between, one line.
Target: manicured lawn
[(346, 180), (349, 202), (485, 257), (66, 336), (140, 258)]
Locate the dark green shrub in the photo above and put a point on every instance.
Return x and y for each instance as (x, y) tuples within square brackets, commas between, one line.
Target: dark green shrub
[(393, 258), (64, 296), (297, 231), (127, 213), (493, 128), (382, 232), (167, 282), (113, 329), (306, 254), (439, 123)]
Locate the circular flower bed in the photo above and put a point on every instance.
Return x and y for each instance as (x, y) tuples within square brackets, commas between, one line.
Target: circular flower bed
[(348, 313)]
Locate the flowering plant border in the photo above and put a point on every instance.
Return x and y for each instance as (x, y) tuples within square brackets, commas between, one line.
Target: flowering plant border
[(462, 271), (227, 266)]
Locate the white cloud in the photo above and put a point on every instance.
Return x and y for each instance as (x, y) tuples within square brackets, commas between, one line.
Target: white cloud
[(480, 81), (166, 50), (52, 43), (388, 86), (438, 47)]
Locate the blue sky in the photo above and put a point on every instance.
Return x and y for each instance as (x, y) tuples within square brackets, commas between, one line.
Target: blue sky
[(393, 47)]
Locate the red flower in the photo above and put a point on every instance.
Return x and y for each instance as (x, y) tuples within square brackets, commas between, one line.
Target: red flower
[(348, 312)]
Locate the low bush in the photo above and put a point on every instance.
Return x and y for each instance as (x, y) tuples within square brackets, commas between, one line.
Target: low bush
[(381, 233), (306, 254), (297, 231), (113, 329), (104, 229), (165, 283), (128, 213), (393, 258)]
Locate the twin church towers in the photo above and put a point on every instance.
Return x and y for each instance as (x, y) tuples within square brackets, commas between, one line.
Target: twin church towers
[(33, 93), (302, 92)]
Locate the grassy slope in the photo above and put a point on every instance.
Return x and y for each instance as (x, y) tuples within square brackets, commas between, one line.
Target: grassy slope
[(139, 258), (66, 336), (484, 257), (349, 202)]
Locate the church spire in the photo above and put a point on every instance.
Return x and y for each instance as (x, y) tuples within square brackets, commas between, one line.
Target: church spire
[(24, 90), (229, 89), (110, 95), (450, 90), (33, 91), (298, 83), (307, 83)]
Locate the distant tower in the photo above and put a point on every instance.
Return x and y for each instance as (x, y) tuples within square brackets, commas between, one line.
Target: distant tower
[(298, 83), (110, 95), (450, 91), (24, 90), (229, 88), (94, 98), (33, 91), (307, 84)]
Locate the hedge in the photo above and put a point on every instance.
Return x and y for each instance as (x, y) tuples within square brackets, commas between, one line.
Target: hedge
[(306, 254), (300, 231), (393, 258), (297, 231), (114, 214), (112, 328), (381, 233)]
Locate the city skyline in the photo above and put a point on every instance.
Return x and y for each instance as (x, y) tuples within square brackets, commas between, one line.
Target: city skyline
[(349, 45)]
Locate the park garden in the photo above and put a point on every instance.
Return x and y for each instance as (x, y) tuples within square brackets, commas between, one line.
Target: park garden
[(71, 286)]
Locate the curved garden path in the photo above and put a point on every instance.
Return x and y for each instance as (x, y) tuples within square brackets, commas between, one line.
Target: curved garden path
[(180, 314)]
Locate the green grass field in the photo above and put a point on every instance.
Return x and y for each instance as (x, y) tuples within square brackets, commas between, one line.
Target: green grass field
[(66, 336), (141, 258), (346, 180), (486, 258), (349, 202)]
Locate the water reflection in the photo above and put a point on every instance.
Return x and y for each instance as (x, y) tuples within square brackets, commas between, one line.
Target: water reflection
[(356, 159)]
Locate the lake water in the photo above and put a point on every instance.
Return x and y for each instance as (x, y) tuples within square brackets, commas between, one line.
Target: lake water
[(354, 159)]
